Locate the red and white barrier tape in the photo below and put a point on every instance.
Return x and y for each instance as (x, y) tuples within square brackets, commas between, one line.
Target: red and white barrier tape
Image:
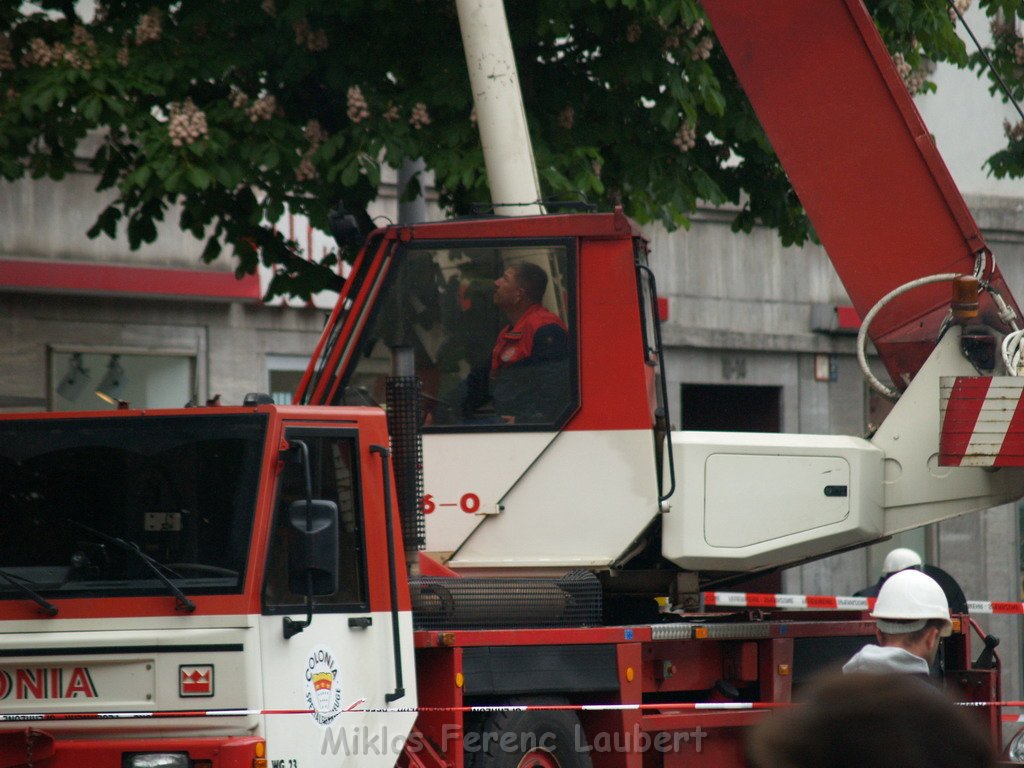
[(988, 606), (833, 603), (660, 708), (664, 708), (789, 602)]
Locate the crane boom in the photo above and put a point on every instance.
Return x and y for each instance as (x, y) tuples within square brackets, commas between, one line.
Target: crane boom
[(861, 160)]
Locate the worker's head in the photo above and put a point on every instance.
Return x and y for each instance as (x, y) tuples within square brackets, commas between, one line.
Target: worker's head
[(900, 559), (912, 613), (860, 721), (522, 284)]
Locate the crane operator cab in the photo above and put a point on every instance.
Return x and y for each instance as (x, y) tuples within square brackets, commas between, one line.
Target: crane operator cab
[(535, 342)]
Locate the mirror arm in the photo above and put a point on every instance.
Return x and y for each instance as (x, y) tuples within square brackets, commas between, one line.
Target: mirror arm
[(292, 627)]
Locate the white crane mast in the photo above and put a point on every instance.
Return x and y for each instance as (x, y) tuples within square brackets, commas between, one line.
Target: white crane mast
[(501, 118)]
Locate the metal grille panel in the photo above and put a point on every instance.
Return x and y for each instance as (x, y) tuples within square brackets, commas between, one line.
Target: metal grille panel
[(742, 631), (403, 400), (573, 600)]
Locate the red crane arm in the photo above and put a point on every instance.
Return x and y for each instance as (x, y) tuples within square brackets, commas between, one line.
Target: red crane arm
[(861, 159)]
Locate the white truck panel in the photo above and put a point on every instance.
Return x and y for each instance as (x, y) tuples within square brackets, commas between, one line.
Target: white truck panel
[(330, 667), (132, 665), (794, 502), (745, 501), (578, 502), (450, 488)]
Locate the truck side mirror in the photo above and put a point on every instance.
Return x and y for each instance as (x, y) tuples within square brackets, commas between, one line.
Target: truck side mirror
[(313, 547)]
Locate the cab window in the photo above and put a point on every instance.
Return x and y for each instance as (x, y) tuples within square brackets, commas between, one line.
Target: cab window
[(332, 459), (492, 330)]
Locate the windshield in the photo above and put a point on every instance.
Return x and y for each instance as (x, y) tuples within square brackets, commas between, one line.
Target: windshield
[(491, 329), (89, 507)]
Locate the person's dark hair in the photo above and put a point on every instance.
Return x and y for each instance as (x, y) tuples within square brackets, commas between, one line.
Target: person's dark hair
[(531, 278), (871, 721)]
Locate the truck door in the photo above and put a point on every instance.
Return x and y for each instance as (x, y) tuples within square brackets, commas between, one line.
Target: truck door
[(344, 659)]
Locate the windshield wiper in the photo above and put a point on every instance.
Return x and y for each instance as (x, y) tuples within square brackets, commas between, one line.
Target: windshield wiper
[(154, 565), (18, 583)]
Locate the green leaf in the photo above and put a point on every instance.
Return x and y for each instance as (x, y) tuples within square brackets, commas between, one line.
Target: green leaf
[(173, 183), (198, 178), (350, 174), (223, 176), (330, 148), (106, 223), (164, 167), (668, 13), (211, 251), (92, 107), (275, 209), (271, 158), (715, 101), (669, 119)]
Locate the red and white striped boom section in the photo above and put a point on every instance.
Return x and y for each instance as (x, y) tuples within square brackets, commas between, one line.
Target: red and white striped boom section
[(982, 421)]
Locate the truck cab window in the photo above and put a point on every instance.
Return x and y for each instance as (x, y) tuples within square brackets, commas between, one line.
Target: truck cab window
[(88, 507), (492, 330), (334, 473)]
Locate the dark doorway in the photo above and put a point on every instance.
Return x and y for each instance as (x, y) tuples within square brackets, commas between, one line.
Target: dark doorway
[(735, 408), (731, 408)]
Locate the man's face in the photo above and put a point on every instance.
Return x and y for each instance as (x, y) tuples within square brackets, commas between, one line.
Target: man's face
[(506, 291)]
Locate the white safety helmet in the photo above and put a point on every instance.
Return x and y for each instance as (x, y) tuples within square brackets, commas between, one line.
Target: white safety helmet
[(900, 559), (907, 600)]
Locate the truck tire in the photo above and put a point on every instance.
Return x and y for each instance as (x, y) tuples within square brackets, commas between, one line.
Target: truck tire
[(531, 739)]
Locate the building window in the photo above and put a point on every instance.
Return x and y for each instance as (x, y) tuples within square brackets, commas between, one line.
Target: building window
[(284, 372), (731, 408), (97, 380)]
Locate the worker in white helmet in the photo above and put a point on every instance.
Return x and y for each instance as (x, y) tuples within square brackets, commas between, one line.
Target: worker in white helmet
[(911, 615), (899, 559)]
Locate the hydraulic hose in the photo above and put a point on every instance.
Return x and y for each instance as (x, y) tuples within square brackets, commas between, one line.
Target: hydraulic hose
[(862, 335)]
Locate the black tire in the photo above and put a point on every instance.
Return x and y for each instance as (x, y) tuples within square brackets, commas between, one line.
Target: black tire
[(531, 739)]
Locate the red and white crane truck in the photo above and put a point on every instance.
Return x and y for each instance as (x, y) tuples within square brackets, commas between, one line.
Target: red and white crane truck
[(241, 586)]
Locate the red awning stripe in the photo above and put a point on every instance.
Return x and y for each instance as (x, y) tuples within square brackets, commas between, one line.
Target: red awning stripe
[(107, 279)]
